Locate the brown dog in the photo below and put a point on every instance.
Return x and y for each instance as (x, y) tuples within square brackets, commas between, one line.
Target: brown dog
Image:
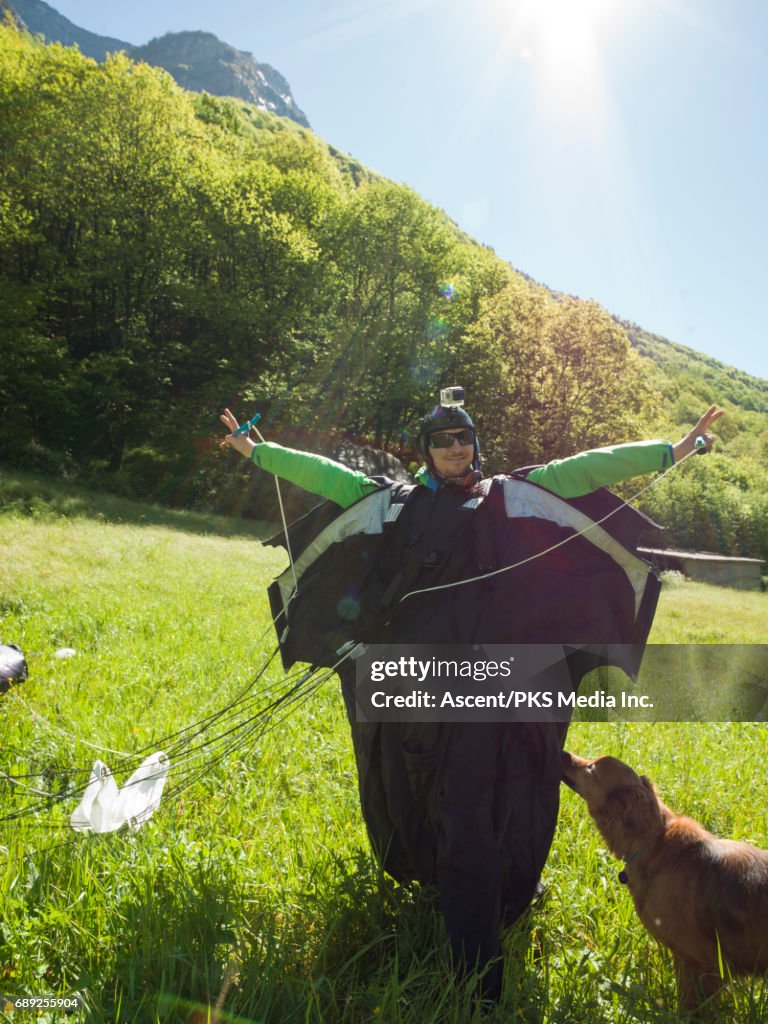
[(703, 897)]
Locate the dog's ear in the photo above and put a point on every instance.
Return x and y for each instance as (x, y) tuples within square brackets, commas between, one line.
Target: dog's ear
[(637, 807), (610, 819), (628, 814)]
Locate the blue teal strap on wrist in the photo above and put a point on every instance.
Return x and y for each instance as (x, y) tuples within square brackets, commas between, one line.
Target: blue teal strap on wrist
[(246, 427)]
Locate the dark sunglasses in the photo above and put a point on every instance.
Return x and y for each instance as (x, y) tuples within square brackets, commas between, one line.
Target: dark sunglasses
[(442, 439)]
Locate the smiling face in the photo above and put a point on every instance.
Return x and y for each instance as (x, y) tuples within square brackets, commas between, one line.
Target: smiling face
[(455, 461)]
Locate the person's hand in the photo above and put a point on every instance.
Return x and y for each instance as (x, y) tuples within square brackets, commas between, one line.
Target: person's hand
[(242, 443), (687, 444)]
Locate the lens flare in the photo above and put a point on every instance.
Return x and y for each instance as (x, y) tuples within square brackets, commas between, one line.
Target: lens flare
[(437, 329)]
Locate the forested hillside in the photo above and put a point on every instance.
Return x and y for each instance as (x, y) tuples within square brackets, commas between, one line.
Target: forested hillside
[(163, 254)]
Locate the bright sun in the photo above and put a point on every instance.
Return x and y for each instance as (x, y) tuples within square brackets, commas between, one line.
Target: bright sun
[(563, 40)]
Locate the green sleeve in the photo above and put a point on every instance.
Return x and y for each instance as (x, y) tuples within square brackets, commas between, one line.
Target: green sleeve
[(585, 472), (314, 473)]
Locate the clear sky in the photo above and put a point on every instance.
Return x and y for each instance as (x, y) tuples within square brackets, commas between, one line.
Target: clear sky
[(611, 149)]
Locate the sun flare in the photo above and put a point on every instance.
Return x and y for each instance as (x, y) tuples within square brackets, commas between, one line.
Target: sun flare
[(563, 40)]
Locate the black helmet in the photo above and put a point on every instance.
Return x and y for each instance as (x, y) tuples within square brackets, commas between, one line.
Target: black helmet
[(446, 417)]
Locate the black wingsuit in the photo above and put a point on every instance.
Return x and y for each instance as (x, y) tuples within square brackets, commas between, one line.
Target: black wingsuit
[(468, 807)]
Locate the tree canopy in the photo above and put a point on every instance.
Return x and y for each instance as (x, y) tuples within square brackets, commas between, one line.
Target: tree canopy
[(163, 254)]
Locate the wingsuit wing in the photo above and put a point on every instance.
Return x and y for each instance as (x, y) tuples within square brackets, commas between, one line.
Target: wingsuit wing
[(355, 566)]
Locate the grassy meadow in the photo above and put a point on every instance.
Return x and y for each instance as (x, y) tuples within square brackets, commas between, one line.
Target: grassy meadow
[(251, 895)]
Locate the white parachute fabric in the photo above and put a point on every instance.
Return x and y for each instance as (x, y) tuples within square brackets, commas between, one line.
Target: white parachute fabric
[(105, 808)]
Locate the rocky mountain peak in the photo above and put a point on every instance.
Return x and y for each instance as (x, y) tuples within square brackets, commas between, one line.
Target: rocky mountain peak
[(199, 61)]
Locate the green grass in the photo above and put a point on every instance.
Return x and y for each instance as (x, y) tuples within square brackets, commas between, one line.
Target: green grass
[(253, 890), (39, 497)]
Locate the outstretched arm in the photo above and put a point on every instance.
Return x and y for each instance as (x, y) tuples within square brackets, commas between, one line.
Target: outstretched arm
[(314, 473), (602, 467)]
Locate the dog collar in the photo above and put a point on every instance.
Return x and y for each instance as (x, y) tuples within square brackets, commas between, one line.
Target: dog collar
[(623, 878)]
